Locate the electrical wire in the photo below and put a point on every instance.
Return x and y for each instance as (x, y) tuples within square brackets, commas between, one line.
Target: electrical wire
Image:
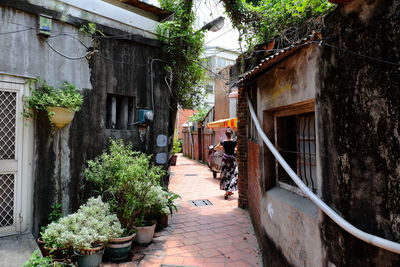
[(63, 55), (218, 36), (360, 55), (5, 33)]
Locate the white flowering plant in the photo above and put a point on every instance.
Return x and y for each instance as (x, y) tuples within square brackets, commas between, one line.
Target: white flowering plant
[(92, 225)]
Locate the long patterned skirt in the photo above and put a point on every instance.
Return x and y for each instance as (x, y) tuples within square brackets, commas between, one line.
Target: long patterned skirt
[(229, 173)]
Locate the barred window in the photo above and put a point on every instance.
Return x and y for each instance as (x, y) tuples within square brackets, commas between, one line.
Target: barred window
[(295, 140)]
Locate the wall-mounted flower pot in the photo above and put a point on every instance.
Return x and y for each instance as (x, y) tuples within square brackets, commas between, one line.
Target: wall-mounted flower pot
[(144, 234), (118, 249), (60, 116)]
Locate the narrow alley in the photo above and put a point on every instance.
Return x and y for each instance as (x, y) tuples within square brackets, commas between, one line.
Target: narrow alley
[(216, 235)]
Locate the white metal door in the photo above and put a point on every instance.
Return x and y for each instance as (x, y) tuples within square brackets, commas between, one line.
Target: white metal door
[(13, 206)]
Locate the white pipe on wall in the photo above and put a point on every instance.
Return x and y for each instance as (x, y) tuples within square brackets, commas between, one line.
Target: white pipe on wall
[(371, 239)]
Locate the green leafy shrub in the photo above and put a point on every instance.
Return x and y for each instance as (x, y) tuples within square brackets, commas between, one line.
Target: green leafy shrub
[(129, 182), (261, 20), (177, 146), (184, 46), (199, 115), (45, 96), (93, 224)]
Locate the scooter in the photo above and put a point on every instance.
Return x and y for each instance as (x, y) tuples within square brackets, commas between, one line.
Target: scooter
[(214, 160)]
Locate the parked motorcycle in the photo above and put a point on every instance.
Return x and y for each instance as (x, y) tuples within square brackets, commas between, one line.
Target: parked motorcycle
[(214, 160)]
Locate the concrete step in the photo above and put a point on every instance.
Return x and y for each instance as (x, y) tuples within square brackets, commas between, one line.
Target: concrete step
[(16, 249)]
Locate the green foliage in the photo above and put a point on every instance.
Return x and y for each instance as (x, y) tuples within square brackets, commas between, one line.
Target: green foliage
[(45, 96), (261, 20), (91, 225), (184, 46), (177, 146), (129, 182), (36, 260), (54, 216), (91, 29), (199, 115)]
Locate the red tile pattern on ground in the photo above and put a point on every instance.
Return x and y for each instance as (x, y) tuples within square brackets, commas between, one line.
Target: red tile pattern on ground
[(207, 236)]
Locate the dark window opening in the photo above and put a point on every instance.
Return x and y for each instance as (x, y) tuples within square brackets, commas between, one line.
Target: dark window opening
[(120, 113), (295, 140)]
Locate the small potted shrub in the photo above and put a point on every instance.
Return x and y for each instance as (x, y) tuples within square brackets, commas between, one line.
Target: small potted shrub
[(127, 180), (59, 103), (176, 148), (55, 215), (36, 260), (86, 231)]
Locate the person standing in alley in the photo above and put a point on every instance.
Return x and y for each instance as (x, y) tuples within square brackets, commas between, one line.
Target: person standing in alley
[(229, 165)]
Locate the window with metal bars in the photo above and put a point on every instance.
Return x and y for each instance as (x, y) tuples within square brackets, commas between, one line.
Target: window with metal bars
[(120, 113), (295, 140)]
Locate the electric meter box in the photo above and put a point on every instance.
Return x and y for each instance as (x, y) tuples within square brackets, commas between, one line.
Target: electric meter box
[(145, 116)]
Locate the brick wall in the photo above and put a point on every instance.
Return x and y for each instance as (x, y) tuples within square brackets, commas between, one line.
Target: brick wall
[(182, 116), (254, 186), (242, 147)]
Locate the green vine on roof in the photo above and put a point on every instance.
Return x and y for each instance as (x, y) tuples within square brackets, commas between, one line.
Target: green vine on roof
[(259, 21), (184, 46)]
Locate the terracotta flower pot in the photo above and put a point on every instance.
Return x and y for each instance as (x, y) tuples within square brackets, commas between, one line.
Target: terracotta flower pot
[(173, 160), (61, 116)]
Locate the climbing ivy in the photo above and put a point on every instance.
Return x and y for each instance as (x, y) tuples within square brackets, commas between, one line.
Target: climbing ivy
[(260, 20), (184, 46)]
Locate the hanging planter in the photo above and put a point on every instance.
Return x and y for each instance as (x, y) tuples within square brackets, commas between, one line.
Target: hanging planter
[(59, 103), (60, 116)]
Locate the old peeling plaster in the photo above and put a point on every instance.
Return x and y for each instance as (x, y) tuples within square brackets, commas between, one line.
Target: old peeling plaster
[(366, 9), (62, 168)]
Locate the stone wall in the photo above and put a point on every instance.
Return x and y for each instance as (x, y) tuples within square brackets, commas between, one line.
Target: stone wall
[(359, 107)]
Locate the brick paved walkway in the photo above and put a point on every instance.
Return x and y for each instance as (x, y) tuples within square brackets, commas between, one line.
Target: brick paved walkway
[(217, 235)]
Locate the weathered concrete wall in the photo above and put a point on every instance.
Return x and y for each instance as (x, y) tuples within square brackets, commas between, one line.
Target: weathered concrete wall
[(291, 82), (60, 156), (359, 107), (290, 221)]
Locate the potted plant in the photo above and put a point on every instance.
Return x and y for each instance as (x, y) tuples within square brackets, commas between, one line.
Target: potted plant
[(55, 215), (124, 178), (36, 260), (167, 207), (86, 231), (176, 148), (59, 103)]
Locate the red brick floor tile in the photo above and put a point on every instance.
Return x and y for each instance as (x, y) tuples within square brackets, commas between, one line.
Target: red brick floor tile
[(215, 259), (210, 236), (193, 261), (239, 264), (173, 260), (209, 252)]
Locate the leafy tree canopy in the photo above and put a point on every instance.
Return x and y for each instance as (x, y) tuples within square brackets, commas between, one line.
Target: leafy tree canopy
[(260, 20)]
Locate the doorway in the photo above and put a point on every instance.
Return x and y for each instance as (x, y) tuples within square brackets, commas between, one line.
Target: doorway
[(16, 157)]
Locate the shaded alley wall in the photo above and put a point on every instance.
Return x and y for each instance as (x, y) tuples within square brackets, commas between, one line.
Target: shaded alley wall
[(60, 156), (359, 107)]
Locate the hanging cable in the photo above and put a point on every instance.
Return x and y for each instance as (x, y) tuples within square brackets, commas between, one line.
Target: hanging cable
[(63, 55), (5, 33)]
